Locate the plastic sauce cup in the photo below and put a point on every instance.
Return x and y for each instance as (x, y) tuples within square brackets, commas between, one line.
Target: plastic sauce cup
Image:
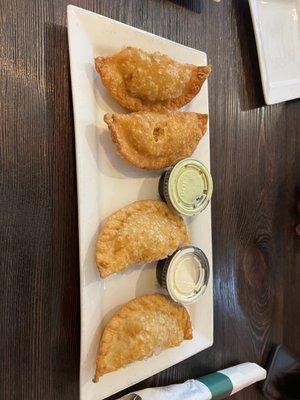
[(185, 274), (186, 187)]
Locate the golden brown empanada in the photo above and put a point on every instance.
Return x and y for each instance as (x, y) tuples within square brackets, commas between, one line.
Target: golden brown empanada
[(141, 232), (155, 140), (141, 327), (150, 81)]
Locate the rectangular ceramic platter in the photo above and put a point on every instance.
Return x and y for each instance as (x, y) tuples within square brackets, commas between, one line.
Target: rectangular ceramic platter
[(277, 32), (105, 183)]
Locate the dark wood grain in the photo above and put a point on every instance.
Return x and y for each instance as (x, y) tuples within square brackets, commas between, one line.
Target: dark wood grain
[(255, 161)]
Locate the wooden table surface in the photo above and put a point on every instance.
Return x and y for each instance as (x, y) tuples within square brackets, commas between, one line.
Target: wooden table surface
[(255, 162)]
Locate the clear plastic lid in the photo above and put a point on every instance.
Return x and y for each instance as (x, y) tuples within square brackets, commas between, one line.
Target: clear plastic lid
[(189, 187), (187, 275)]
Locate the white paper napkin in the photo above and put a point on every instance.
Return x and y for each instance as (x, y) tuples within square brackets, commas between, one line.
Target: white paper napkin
[(227, 382)]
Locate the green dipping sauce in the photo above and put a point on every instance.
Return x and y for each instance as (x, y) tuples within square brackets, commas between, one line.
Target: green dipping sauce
[(188, 187)]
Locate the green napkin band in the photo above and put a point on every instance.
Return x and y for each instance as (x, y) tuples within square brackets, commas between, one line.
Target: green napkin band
[(218, 384)]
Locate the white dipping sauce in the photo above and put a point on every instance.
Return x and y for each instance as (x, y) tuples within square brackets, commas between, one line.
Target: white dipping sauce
[(187, 275)]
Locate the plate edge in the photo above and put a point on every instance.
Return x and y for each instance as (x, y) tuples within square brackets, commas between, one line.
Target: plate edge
[(74, 8)]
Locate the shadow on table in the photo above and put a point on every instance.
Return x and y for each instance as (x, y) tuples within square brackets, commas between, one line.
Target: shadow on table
[(250, 88), (65, 309), (192, 5)]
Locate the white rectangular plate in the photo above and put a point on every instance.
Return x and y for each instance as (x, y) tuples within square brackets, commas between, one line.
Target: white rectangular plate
[(277, 32), (105, 183)]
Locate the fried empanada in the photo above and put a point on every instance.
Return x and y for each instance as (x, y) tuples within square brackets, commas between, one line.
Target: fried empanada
[(143, 326), (155, 140), (150, 81), (141, 232)]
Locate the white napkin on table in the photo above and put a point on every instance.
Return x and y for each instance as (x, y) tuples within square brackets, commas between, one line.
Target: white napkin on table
[(189, 390), (241, 376)]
